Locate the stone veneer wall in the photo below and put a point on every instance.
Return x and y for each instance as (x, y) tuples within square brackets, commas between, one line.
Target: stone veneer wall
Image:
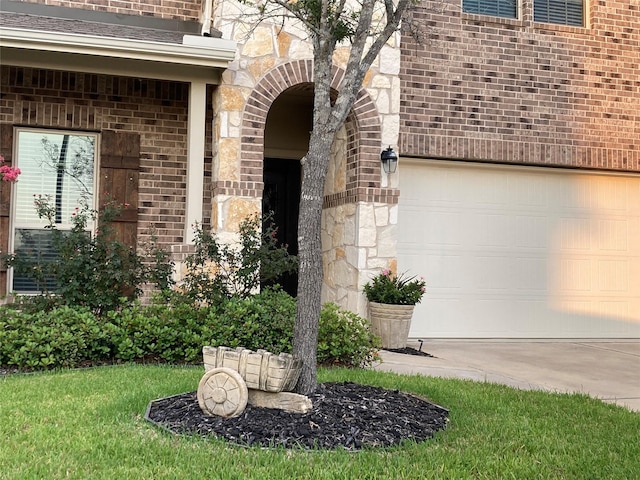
[(271, 59), (81, 101), (524, 92), (358, 240)]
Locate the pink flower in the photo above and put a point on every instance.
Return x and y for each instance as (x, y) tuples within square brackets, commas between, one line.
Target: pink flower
[(9, 174), (126, 205), (386, 272)]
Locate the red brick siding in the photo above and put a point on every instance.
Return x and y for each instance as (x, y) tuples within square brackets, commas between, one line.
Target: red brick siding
[(155, 109), (519, 91), (173, 9)]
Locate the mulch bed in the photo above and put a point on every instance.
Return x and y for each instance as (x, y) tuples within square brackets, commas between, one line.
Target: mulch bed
[(409, 351), (345, 415)]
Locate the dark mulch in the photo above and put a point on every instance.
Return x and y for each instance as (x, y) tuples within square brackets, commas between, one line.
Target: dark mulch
[(409, 351), (345, 415)]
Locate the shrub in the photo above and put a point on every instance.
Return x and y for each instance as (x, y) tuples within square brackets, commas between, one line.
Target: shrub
[(97, 271), (262, 321), (175, 332), (345, 338), (62, 337), (395, 290), (160, 332), (218, 271)]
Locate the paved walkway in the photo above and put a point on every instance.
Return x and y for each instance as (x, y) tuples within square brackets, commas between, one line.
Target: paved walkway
[(605, 369)]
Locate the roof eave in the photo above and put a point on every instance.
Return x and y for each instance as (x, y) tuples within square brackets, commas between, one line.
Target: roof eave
[(195, 51)]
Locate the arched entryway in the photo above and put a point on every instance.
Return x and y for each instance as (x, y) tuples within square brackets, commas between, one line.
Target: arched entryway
[(286, 141), (359, 214)]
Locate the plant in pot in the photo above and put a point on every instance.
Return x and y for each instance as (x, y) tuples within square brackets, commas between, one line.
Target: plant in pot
[(392, 299)]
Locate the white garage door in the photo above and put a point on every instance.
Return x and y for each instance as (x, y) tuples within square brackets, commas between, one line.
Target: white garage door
[(517, 252)]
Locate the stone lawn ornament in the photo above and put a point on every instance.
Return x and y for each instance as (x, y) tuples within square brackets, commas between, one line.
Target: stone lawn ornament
[(235, 377)]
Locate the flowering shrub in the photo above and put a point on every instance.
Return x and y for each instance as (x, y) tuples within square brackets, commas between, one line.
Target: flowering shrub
[(95, 271), (395, 290), (7, 173)]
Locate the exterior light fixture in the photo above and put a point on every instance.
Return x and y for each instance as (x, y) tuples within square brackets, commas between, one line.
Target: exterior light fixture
[(389, 160)]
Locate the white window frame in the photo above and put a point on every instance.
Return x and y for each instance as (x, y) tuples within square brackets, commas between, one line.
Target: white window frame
[(64, 225)]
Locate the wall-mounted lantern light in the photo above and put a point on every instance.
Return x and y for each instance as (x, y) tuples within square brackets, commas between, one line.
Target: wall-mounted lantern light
[(389, 160)]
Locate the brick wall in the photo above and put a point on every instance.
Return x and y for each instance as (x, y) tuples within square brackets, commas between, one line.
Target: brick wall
[(173, 9), (155, 109), (486, 88)]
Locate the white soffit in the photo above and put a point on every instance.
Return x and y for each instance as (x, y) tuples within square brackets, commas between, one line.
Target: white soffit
[(197, 56)]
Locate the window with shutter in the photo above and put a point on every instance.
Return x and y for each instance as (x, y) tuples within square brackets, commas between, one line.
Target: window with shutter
[(56, 165), (563, 12), (498, 8)]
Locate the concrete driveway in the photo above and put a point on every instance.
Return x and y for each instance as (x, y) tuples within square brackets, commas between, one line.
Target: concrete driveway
[(605, 369)]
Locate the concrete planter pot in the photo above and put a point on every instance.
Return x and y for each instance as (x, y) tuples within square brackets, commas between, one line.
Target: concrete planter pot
[(391, 323)]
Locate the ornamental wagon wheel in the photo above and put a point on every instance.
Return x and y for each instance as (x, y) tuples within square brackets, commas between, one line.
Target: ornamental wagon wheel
[(222, 392)]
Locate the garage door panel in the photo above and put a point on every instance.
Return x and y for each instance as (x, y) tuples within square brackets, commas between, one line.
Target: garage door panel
[(520, 252), (613, 276), (531, 232), (494, 237), (613, 234), (531, 275), (574, 234), (441, 229)]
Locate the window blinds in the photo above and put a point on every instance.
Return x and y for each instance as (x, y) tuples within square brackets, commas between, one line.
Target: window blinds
[(498, 8), (563, 12)]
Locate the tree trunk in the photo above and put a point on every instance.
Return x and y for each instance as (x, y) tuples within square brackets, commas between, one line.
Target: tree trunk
[(326, 23), (305, 334), (314, 171)]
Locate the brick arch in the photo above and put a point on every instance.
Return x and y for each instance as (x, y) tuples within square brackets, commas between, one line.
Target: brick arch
[(363, 126)]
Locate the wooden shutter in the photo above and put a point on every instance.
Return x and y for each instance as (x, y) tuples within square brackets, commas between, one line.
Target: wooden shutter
[(119, 171), (6, 150)]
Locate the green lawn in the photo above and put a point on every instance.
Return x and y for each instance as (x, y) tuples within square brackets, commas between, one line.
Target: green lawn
[(88, 424)]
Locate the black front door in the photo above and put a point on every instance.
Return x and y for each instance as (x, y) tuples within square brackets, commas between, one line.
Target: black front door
[(281, 196)]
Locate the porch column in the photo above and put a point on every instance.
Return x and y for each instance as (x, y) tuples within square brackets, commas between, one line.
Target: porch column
[(195, 157)]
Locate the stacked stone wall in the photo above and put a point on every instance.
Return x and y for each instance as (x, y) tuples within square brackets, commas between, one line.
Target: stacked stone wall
[(272, 58), (155, 109), (518, 91)]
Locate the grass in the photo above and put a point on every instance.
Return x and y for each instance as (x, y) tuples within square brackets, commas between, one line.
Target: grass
[(83, 424)]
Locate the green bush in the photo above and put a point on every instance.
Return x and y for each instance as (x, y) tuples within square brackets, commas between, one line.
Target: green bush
[(161, 332), (175, 332), (262, 321), (62, 337), (345, 338), (99, 271), (218, 271)]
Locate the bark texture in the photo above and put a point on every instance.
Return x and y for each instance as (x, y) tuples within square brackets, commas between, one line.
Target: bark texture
[(325, 31)]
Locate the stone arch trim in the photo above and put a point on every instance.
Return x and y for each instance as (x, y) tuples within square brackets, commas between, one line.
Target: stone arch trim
[(363, 123)]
